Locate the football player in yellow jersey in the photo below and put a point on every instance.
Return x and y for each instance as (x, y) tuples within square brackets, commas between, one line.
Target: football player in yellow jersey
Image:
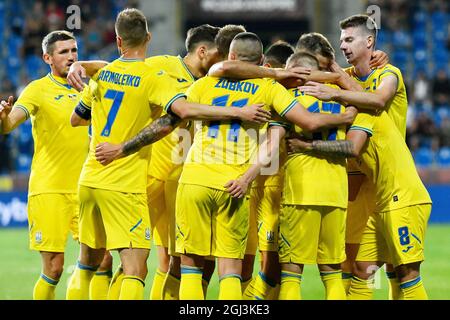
[(395, 233), (264, 208), (59, 153), (312, 217), (384, 89)]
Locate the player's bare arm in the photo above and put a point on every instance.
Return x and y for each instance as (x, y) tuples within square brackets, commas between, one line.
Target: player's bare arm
[(10, 118), (351, 147), (376, 100), (82, 69), (316, 121), (379, 59), (270, 147)]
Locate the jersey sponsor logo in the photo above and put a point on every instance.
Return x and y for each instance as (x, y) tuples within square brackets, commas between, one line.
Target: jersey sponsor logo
[(239, 86), (38, 237), (407, 249), (59, 96)]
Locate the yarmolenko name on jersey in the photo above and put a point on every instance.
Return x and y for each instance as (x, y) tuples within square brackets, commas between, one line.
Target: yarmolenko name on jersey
[(237, 86), (119, 78)]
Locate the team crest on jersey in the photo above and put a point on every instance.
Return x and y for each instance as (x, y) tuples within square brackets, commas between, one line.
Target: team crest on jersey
[(180, 80), (147, 233), (270, 236), (38, 237)]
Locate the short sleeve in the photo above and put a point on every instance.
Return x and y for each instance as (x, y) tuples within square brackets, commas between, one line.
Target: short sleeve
[(29, 100), (364, 122), (280, 99), (163, 91), (390, 71)]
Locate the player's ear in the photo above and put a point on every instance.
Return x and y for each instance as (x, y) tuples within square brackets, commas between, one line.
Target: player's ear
[(232, 56), (149, 37), (47, 58), (370, 42), (119, 42), (261, 61), (202, 52)]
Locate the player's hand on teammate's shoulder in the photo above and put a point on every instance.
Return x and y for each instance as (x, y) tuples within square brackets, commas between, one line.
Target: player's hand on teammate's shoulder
[(5, 107), (254, 113), (105, 152), (292, 77), (319, 90), (379, 59), (237, 188), (76, 75)]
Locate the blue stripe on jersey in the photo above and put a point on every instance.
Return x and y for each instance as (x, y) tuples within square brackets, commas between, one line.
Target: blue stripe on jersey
[(49, 280), (186, 67), (169, 104), (288, 108), (136, 225), (129, 59), (65, 85), (370, 132), (410, 283), (364, 78)]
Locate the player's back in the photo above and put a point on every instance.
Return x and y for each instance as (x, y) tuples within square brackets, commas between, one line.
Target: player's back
[(311, 179), (397, 107), (387, 161), (227, 147), (121, 94)]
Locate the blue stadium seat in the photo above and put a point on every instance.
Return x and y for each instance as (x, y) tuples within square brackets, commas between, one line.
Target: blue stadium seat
[(419, 39), (443, 157), (420, 20), (439, 20), (401, 39), (23, 163), (33, 64), (424, 157)]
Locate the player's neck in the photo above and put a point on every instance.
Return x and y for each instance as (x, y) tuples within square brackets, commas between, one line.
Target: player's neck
[(362, 68), (194, 66), (134, 53), (56, 74)]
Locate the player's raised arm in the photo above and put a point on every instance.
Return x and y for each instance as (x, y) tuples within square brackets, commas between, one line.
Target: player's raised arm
[(10, 117), (82, 69)]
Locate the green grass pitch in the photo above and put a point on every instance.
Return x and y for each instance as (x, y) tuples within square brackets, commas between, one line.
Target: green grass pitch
[(20, 267)]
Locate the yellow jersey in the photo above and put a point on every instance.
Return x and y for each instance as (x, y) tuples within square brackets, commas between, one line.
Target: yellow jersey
[(387, 162), (398, 105), (123, 96), (162, 165), (223, 150), (59, 149), (311, 179)]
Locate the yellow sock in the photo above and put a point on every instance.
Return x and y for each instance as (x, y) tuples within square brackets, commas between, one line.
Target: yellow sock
[(158, 282), (99, 285), (395, 293), (334, 287), (205, 284), (44, 289), (274, 292), (171, 288), (414, 289), (230, 287), (78, 287), (290, 286), (346, 280), (116, 284), (245, 284), (132, 288), (360, 289), (259, 289), (191, 283)]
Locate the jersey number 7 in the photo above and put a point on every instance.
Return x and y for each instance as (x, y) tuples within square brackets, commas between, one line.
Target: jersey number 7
[(116, 97)]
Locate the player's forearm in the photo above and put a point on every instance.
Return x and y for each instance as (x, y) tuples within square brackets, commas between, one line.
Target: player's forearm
[(365, 100), (240, 70), (324, 77), (339, 148), (196, 111), (7, 125), (92, 67), (155, 131), (345, 81)]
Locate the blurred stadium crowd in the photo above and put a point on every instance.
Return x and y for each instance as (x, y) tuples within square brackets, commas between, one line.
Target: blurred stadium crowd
[(415, 34)]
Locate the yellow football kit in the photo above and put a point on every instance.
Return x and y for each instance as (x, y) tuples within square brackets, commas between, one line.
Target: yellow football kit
[(122, 97), (59, 153), (402, 203), (166, 161), (221, 151), (359, 210), (314, 202)]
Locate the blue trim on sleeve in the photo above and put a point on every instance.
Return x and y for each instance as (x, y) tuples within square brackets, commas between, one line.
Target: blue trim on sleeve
[(171, 101), (288, 108), (27, 113), (368, 131)]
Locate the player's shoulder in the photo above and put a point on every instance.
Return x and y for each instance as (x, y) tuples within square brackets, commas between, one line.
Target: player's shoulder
[(38, 84), (390, 68)]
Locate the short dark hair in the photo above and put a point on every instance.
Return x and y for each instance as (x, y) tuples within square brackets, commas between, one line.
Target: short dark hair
[(278, 53), (131, 26), (201, 34), (224, 37), (361, 20), (48, 43), (248, 47), (315, 43), (303, 59)]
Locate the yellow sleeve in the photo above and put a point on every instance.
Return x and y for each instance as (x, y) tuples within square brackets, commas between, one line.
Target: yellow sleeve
[(390, 70), (365, 122), (29, 100), (278, 121), (280, 99), (193, 93), (87, 95), (163, 91)]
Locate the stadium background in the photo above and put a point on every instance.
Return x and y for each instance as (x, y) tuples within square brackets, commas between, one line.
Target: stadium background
[(415, 34)]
